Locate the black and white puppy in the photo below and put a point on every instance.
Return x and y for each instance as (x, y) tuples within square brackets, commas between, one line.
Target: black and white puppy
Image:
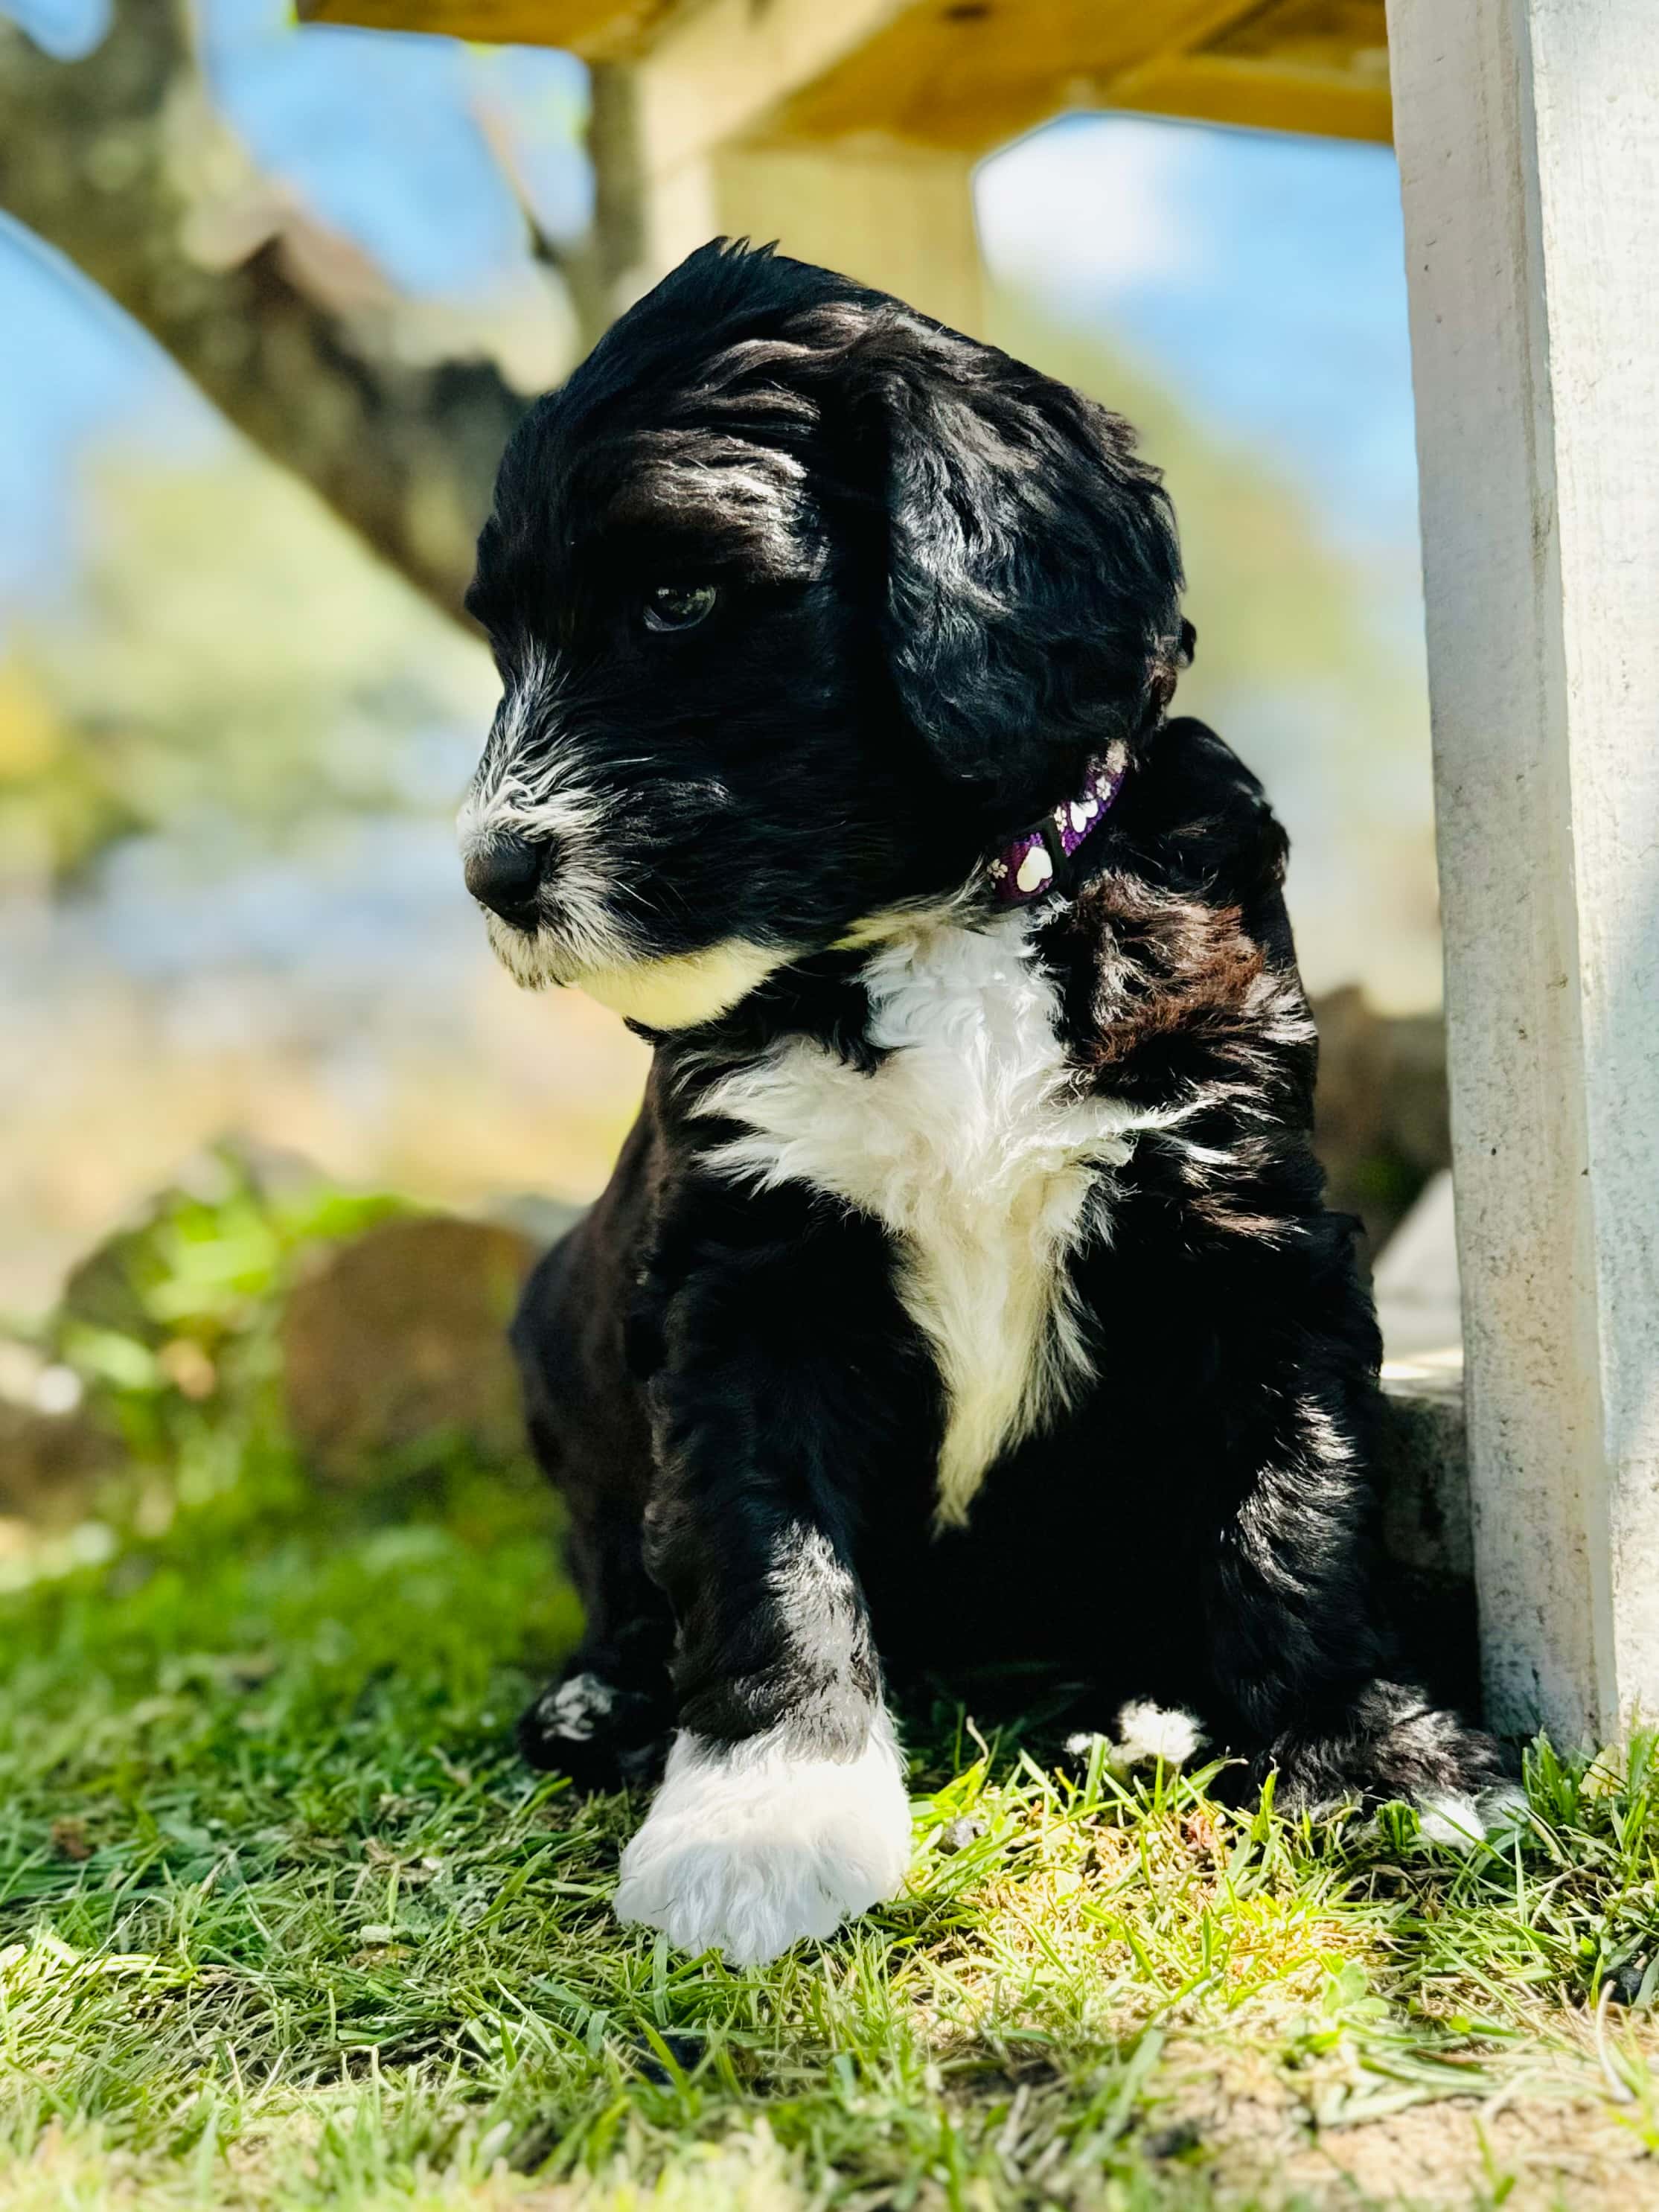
[(964, 1286)]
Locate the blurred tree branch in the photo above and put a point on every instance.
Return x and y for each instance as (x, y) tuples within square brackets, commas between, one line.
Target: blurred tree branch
[(96, 158)]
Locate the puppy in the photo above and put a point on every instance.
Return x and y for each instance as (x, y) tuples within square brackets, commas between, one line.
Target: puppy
[(964, 1284)]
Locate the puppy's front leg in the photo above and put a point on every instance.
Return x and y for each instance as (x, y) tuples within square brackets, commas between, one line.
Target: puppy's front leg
[(783, 1809)]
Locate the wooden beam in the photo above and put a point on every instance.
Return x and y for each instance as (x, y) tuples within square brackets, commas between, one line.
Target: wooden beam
[(967, 76), (598, 29), (717, 71), (1189, 29), (1320, 103), (900, 218), (664, 124), (957, 76), (1528, 139)]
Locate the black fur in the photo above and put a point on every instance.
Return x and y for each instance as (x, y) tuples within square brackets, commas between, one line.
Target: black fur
[(945, 582)]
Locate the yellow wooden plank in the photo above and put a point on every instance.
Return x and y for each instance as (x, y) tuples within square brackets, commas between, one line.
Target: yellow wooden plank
[(599, 29), (1262, 96), (969, 74), (966, 75), (1350, 34)]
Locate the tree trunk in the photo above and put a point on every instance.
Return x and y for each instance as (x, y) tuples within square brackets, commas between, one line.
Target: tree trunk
[(89, 161)]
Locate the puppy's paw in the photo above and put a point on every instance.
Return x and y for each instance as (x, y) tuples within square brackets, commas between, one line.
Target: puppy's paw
[(1459, 1822), (747, 1849), (1392, 1744), (597, 1733)]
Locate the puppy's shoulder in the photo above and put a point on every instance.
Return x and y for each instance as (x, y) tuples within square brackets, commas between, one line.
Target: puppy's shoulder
[(1201, 821), (1175, 961)]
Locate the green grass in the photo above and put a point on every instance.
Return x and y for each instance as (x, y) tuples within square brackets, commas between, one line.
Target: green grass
[(289, 1925), (284, 1922)]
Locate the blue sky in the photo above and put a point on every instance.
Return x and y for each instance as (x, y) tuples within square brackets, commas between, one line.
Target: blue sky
[(1261, 277)]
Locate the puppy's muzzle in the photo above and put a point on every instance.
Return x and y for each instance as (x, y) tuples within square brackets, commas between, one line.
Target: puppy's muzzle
[(506, 875)]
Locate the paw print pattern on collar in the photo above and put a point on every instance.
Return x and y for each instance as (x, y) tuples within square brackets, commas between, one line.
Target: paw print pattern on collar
[(1024, 868)]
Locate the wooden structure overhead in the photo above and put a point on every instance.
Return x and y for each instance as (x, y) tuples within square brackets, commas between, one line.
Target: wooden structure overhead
[(847, 130), (965, 75)]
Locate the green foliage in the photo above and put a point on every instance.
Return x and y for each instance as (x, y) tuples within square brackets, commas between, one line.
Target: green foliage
[(235, 671), (172, 1324)]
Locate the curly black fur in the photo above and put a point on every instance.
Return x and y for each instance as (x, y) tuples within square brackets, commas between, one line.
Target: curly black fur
[(944, 583)]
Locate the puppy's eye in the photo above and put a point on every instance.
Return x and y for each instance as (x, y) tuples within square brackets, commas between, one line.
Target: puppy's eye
[(679, 606)]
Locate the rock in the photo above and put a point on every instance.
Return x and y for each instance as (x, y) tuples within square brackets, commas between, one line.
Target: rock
[(28, 1377), (1423, 1457), (1425, 1526), (1416, 1280), (106, 1289), (109, 1288), (1381, 1131), (1630, 1980), (54, 1456), (400, 1336), (1382, 1125), (51, 1465)]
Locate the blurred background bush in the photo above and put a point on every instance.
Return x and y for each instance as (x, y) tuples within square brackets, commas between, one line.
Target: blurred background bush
[(270, 298)]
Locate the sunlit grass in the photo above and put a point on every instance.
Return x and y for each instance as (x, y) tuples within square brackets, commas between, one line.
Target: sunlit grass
[(289, 1925)]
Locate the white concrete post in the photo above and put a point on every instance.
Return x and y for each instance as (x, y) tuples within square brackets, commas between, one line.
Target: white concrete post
[(1527, 132)]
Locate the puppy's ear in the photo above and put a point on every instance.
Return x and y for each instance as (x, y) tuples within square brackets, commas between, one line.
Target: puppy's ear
[(1033, 572)]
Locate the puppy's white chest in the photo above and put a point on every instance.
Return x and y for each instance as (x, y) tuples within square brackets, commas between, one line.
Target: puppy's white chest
[(970, 1144)]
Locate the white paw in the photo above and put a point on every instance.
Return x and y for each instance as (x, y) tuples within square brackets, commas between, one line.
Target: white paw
[(1146, 1733), (747, 1849), (1459, 1822), (1449, 1818), (576, 1707)]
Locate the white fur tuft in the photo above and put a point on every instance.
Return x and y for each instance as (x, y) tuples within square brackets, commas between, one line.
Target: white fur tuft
[(523, 789), (1506, 1810), (679, 991), (747, 1849), (580, 937), (1146, 1733), (576, 1707)]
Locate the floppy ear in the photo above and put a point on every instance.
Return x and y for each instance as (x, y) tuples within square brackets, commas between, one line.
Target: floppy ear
[(1033, 574)]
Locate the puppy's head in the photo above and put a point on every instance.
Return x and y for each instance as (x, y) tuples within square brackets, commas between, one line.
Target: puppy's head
[(801, 604)]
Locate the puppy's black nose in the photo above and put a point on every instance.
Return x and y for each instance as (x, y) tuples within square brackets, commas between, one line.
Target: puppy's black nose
[(504, 874)]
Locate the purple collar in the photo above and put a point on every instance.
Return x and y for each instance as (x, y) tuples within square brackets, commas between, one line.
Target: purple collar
[(1025, 868)]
